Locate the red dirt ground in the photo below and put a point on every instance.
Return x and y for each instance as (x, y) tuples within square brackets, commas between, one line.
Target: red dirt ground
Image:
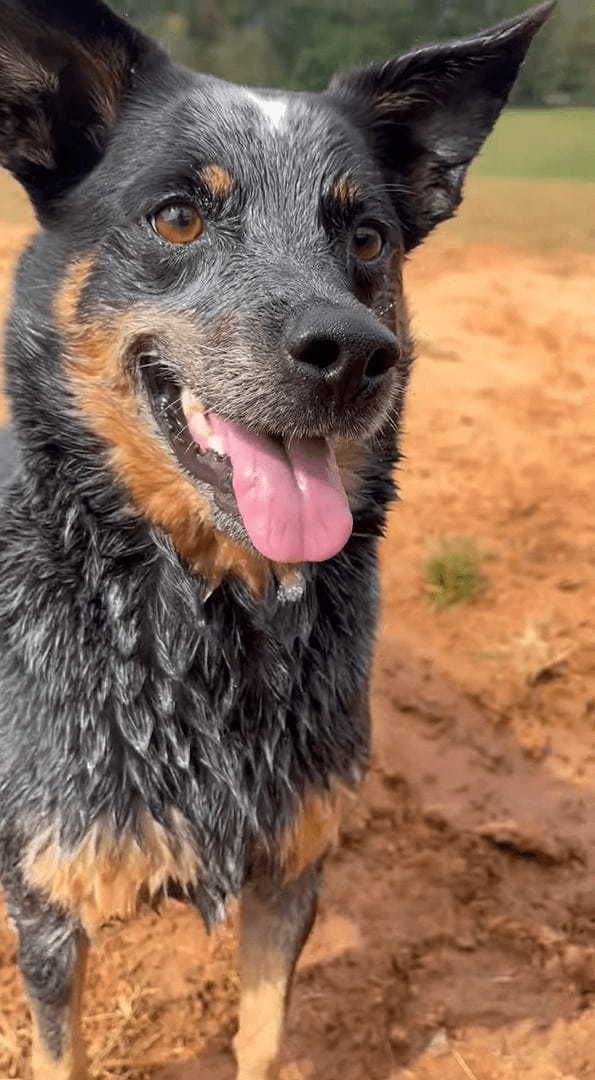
[(457, 932)]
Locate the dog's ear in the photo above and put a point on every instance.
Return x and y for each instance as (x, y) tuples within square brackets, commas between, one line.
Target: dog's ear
[(428, 113), (65, 66)]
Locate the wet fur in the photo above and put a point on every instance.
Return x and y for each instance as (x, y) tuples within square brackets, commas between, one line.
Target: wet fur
[(177, 715)]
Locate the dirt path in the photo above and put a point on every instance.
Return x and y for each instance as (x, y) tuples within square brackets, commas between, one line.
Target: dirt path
[(456, 937)]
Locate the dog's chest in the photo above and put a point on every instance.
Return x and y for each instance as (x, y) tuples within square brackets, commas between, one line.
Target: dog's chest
[(212, 745)]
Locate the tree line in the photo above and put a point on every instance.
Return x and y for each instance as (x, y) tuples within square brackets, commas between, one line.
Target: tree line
[(300, 43)]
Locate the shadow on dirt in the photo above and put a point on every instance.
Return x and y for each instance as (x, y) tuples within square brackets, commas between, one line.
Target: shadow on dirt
[(462, 895)]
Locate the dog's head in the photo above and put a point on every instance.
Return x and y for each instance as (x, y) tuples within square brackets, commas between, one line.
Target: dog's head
[(225, 261)]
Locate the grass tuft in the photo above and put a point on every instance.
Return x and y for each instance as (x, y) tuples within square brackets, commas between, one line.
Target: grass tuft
[(453, 573)]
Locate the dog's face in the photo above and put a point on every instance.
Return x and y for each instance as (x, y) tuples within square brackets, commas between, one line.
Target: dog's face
[(230, 258), (258, 227)]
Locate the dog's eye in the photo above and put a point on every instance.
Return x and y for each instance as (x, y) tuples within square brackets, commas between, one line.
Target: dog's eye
[(178, 223), (367, 243)]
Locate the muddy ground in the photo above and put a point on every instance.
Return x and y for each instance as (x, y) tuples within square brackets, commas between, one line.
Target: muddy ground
[(457, 930)]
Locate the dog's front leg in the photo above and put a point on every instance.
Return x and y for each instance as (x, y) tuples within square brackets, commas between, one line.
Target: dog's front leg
[(275, 924), (52, 954)]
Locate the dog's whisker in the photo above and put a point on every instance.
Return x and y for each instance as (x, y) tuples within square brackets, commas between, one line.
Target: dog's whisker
[(149, 364), (171, 405)]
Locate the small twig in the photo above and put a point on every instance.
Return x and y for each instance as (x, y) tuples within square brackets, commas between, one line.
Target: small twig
[(464, 1066)]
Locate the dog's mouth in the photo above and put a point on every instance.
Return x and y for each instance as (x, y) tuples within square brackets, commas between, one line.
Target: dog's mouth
[(287, 493)]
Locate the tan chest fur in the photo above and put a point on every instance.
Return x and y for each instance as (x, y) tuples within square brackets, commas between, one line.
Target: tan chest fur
[(106, 877)]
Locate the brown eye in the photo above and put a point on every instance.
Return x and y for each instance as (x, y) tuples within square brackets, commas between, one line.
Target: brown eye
[(178, 223), (366, 243)]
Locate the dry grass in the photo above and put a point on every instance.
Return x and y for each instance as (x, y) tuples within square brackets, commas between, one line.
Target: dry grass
[(464, 1066), (538, 215)]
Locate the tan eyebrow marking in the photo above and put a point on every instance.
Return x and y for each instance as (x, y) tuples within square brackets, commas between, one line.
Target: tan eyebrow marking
[(217, 179), (346, 190)]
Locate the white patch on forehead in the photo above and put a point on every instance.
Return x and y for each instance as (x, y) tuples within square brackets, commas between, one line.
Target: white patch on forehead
[(274, 109)]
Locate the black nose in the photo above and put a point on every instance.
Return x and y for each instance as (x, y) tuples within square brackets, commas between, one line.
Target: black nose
[(348, 349)]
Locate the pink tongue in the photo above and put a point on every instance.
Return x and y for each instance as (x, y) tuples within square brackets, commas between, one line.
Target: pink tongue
[(291, 498)]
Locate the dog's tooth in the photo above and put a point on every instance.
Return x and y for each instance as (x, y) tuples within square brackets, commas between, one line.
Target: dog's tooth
[(215, 442), (201, 430), (190, 404)]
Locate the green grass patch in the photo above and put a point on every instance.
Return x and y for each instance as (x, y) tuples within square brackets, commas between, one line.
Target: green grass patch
[(453, 572), (540, 144)]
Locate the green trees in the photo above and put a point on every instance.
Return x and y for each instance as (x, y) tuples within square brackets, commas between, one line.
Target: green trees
[(300, 43)]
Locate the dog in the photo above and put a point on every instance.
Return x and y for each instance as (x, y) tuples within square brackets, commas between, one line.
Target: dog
[(207, 354)]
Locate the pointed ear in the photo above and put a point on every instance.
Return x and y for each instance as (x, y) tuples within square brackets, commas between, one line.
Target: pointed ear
[(428, 113), (65, 66)]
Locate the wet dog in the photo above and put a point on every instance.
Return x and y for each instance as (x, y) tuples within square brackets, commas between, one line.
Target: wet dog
[(207, 354)]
